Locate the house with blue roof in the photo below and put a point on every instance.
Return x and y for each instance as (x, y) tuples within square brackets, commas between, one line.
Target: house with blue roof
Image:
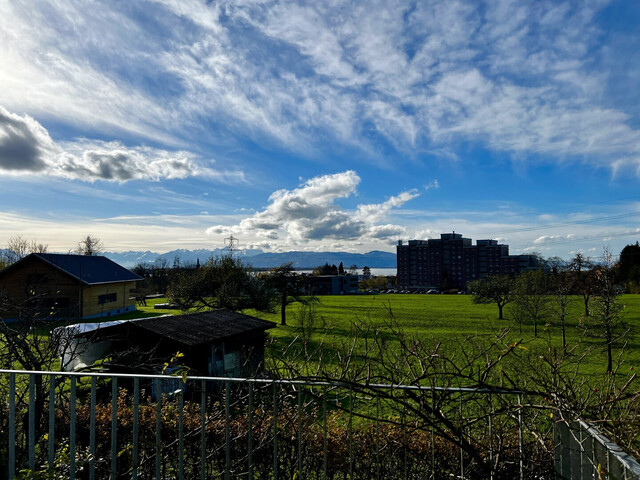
[(65, 286)]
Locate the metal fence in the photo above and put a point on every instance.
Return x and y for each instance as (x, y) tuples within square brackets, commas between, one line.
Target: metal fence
[(582, 452), (81, 425)]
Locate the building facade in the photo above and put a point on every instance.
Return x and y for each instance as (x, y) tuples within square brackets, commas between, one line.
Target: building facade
[(452, 261), (332, 284), (64, 286)]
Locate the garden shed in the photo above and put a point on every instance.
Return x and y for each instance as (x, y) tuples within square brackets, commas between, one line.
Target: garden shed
[(215, 343)]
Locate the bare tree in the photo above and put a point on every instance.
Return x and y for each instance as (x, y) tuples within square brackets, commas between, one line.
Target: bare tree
[(18, 248), (384, 354), (607, 321), (582, 270), (90, 246), (27, 344), (35, 247), (530, 300), (561, 289)]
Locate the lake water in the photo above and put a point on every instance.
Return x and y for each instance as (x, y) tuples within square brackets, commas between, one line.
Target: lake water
[(374, 271)]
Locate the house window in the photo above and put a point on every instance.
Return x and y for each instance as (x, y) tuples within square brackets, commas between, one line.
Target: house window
[(107, 298)]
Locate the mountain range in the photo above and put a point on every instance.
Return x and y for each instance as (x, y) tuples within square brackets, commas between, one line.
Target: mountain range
[(257, 258)]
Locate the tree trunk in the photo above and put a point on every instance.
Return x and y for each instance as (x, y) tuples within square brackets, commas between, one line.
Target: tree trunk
[(500, 310), (283, 310), (586, 305)]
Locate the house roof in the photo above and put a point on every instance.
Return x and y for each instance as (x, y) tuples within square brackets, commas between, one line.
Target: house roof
[(88, 269), (190, 329)]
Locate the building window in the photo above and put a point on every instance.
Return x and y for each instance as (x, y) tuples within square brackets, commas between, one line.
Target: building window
[(107, 298)]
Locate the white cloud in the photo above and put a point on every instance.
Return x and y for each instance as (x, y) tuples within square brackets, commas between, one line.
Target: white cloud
[(432, 185), (27, 149), (545, 239), (310, 213)]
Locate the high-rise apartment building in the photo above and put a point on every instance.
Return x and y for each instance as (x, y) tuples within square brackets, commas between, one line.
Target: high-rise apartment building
[(452, 260)]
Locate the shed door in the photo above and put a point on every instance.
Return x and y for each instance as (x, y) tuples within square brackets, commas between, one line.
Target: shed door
[(216, 367)]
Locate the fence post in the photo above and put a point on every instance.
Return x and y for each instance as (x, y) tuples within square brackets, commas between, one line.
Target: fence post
[(52, 419), (12, 425)]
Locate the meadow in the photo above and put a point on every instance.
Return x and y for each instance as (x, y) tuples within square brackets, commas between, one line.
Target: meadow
[(450, 320)]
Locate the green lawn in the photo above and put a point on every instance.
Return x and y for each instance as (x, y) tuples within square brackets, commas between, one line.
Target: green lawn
[(446, 319), (451, 318)]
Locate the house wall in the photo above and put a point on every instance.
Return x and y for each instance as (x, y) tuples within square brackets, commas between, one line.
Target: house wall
[(98, 300), (57, 293), (44, 284)]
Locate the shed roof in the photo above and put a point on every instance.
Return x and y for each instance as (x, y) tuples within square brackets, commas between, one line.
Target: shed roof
[(88, 269), (191, 329)]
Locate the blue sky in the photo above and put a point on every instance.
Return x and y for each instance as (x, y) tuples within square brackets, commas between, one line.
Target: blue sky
[(320, 125)]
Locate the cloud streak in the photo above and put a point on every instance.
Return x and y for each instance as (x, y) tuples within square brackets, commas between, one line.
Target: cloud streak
[(525, 79)]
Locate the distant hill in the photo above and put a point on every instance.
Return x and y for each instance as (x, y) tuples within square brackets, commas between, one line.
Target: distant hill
[(308, 260), (183, 257), (259, 259)]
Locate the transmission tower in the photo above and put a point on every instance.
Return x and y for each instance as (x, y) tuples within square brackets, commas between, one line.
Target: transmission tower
[(232, 242)]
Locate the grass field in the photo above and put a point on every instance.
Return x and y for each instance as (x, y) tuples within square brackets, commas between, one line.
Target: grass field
[(450, 318), (447, 319)]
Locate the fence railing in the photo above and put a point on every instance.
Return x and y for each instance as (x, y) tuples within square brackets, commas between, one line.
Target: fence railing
[(96, 425), (581, 451)]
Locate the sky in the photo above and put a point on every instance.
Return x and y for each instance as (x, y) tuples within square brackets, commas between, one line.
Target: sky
[(320, 126)]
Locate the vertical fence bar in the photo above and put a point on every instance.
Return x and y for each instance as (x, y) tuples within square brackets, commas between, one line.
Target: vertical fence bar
[(181, 431), (300, 432), (377, 436), (203, 430), (350, 433), (12, 425), (520, 441), (92, 430), (136, 404), (461, 439), (72, 431), (490, 438), (324, 433), (114, 427), (404, 435), (52, 423), (433, 436), (227, 432), (158, 428), (250, 446), (275, 433), (32, 422)]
